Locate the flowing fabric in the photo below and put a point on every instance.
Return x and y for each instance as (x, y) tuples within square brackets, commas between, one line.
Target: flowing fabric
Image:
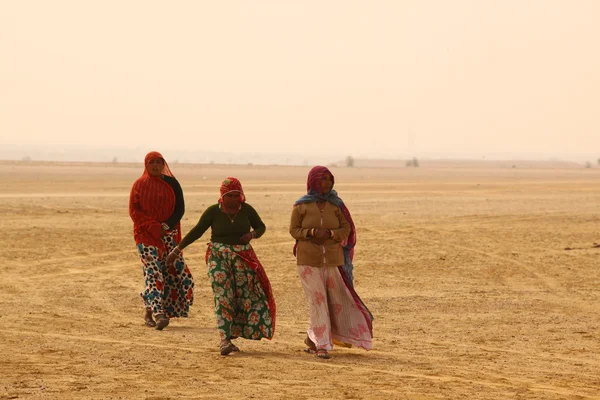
[(152, 201), (244, 302), (337, 316)]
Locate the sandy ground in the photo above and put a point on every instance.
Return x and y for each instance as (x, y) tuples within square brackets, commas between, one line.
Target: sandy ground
[(466, 272)]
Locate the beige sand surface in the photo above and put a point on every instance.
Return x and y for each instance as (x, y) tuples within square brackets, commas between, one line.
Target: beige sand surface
[(465, 270)]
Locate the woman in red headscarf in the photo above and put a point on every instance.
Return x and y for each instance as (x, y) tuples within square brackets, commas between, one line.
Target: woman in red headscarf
[(244, 304), (325, 238), (156, 206)]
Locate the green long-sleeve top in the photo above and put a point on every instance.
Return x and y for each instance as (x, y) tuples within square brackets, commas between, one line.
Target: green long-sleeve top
[(223, 229)]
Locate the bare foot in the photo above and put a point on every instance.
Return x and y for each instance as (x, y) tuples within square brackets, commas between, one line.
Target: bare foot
[(226, 347), (311, 348), (161, 321), (149, 320)]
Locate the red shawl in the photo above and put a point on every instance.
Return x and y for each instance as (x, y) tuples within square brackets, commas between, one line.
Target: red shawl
[(151, 202)]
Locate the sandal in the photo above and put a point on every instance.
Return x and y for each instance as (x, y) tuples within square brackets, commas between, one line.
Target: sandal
[(161, 322), (322, 353), (311, 349), (149, 322), (227, 347)]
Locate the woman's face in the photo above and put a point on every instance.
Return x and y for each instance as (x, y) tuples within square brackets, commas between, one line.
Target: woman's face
[(326, 183), (231, 200), (155, 166)]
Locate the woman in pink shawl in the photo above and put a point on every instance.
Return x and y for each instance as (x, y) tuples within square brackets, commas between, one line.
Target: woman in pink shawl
[(325, 239)]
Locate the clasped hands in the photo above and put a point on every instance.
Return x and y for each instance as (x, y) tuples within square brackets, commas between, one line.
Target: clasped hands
[(320, 235)]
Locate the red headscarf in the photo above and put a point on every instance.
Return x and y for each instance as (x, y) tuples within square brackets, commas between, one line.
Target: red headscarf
[(229, 185), (153, 155), (151, 202), (313, 183)]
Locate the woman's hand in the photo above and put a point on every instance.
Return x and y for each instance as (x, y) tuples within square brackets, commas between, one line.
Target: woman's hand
[(247, 237), (173, 255), (321, 235)]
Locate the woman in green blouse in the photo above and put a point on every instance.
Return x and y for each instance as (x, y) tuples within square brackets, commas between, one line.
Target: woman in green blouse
[(244, 304)]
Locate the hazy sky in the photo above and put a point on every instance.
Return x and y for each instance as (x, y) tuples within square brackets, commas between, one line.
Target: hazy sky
[(377, 78)]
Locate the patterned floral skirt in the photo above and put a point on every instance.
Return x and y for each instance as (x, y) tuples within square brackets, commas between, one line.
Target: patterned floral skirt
[(244, 303), (169, 289)]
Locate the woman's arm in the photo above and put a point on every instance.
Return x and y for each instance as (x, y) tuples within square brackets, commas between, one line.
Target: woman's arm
[(296, 229), (203, 224), (256, 223), (174, 219), (340, 234)]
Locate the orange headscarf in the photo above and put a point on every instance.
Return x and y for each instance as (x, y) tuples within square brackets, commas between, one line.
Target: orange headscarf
[(152, 202)]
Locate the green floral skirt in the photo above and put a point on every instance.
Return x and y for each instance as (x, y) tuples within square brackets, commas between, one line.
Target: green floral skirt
[(244, 304)]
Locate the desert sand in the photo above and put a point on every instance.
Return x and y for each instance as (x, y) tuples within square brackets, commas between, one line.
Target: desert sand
[(465, 270)]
